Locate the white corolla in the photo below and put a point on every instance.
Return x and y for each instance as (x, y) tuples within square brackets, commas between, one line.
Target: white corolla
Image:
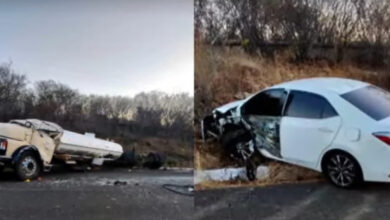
[(340, 127)]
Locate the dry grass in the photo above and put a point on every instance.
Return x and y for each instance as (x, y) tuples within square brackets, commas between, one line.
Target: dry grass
[(209, 156), (223, 75)]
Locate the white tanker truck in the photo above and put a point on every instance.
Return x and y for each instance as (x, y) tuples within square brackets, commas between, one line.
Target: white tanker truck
[(31, 145)]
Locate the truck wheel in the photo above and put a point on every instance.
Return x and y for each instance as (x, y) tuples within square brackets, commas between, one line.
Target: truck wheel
[(154, 161), (128, 159), (28, 166)]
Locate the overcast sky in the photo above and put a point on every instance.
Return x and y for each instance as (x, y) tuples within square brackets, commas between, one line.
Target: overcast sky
[(115, 47)]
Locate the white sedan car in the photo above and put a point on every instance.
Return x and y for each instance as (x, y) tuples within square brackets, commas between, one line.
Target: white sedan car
[(340, 127)]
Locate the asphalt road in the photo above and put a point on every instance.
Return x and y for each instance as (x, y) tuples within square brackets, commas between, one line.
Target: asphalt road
[(295, 201), (95, 195)]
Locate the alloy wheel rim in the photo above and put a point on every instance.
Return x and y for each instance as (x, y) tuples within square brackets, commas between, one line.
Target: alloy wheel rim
[(341, 170)]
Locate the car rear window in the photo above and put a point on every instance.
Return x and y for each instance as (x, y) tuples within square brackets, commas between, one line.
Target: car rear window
[(308, 105), (373, 101)]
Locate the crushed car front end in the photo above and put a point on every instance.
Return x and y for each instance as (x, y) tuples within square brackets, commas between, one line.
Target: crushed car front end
[(226, 125), (215, 124)]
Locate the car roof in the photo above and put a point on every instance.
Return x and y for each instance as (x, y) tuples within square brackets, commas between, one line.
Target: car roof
[(320, 84)]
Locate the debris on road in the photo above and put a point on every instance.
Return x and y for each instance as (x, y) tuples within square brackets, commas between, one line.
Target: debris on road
[(277, 173), (152, 160), (228, 174), (186, 190), (120, 183)]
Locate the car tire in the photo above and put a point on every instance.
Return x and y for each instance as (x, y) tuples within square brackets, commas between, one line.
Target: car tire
[(231, 141), (28, 166), (342, 170), (251, 169)]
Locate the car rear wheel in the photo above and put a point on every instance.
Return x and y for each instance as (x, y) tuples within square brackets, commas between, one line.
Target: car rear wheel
[(28, 166), (342, 170)]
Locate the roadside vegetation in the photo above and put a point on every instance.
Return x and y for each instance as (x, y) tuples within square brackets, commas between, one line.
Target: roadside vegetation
[(153, 121), (244, 46)]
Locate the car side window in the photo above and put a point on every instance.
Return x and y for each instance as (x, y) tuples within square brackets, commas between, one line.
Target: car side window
[(308, 105), (267, 103)]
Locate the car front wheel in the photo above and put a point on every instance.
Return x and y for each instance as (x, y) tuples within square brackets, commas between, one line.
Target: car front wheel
[(342, 170), (238, 144)]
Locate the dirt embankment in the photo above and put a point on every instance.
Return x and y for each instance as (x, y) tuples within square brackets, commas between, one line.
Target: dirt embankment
[(223, 75), (177, 153)]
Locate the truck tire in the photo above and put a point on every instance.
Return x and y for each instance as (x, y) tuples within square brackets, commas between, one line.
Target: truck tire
[(154, 161), (128, 159), (28, 166)]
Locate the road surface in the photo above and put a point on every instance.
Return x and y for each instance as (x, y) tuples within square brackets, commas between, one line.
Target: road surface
[(295, 201), (105, 194)]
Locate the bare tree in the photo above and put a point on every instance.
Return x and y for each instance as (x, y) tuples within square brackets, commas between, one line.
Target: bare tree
[(12, 90), (268, 25), (154, 114)]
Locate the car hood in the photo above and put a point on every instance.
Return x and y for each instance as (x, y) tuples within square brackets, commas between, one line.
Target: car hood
[(228, 106)]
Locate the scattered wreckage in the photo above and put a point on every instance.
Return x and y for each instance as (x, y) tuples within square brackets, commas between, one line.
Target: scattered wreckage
[(131, 159), (340, 127), (31, 146)]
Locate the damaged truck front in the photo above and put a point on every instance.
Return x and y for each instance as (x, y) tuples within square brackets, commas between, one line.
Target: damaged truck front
[(31, 146)]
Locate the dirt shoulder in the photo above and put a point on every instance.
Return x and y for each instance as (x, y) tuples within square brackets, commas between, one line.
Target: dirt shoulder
[(177, 153)]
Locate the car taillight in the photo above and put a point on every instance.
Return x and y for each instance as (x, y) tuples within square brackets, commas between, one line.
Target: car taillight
[(383, 136), (3, 144)]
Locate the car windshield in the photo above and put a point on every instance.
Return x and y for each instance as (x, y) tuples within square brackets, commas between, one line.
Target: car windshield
[(373, 101), (38, 124)]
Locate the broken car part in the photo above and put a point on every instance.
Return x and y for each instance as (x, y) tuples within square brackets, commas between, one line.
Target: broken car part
[(152, 160)]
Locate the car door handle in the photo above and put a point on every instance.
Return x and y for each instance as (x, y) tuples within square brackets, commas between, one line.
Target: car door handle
[(326, 130)]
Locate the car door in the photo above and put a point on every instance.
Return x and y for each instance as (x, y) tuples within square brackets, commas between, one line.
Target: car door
[(308, 126), (263, 115)]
